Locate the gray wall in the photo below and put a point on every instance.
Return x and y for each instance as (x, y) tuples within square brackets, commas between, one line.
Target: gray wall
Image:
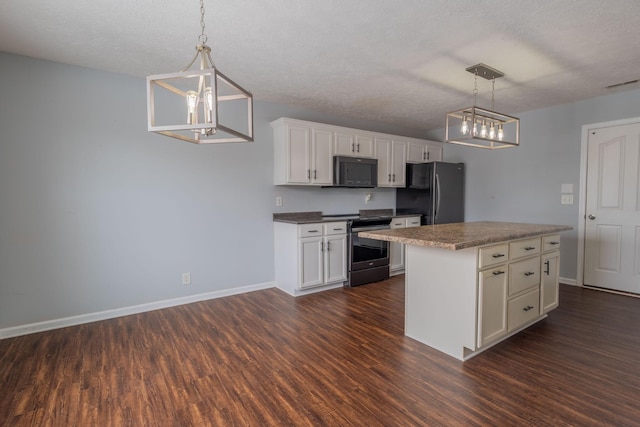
[(96, 213), (523, 184)]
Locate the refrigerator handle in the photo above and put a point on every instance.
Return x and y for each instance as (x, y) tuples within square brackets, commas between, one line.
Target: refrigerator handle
[(435, 214)]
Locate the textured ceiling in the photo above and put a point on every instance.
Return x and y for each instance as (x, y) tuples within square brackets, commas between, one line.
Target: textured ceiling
[(396, 61)]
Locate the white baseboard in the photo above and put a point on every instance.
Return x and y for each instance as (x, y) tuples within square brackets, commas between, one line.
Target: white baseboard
[(567, 281), (125, 311)]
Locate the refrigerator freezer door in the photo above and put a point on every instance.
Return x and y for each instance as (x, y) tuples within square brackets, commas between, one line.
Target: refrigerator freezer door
[(449, 188)]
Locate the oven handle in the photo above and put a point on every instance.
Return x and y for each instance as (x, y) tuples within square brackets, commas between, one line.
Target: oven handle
[(373, 227)]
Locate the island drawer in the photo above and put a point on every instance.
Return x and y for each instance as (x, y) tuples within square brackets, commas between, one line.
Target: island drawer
[(523, 309), (493, 255), (524, 248), (524, 275), (550, 243)]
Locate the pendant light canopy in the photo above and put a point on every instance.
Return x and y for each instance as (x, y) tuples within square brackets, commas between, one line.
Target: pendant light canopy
[(200, 104), (480, 127)]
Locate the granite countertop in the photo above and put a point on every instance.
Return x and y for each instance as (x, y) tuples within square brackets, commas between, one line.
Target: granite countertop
[(463, 235), (317, 216)]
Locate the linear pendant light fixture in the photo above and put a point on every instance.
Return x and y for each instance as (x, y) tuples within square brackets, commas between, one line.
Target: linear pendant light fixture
[(479, 127), (199, 105)]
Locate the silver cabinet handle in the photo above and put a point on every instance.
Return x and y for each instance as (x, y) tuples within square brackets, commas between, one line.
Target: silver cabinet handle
[(337, 229), (435, 214), (527, 308), (529, 248), (497, 255), (358, 147), (389, 177), (529, 273), (554, 243), (328, 246), (353, 147), (497, 273), (546, 271), (313, 231), (592, 217), (394, 177)]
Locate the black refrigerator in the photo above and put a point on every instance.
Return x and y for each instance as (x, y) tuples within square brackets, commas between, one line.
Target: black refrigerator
[(434, 190)]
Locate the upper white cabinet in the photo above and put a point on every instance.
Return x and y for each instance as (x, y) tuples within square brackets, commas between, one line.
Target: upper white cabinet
[(423, 151), (353, 144), (392, 158), (303, 152)]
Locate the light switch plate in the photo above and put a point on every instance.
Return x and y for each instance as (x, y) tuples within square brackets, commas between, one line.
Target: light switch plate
[(567, 199)]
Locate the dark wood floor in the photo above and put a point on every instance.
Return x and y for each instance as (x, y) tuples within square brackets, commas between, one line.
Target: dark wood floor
[(336, 358)]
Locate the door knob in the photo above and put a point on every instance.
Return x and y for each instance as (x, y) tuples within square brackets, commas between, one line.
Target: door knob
[(592, 217)]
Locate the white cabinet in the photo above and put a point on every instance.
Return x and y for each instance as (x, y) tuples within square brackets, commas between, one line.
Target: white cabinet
[(492, 310), (516, 285), (353, 144), (550, 273), (422, 151), (310, 256), (392, 158), (303, 154), (396, 250)]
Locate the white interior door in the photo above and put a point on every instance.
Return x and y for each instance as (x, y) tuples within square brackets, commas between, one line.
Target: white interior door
[(612, 230)]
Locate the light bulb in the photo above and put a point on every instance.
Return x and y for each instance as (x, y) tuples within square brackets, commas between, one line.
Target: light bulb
[(208, 104), (483, 129), (465, 125), (492, 131), (474, 130), (192, 103), (500, 133)]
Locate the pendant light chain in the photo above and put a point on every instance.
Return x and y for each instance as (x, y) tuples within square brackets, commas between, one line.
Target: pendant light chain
[(493, 93), (475, 88), (203, 37)]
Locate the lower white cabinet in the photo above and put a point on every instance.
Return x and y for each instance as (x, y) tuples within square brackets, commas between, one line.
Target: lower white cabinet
[(310, 256), (396, 250), (516, 285), (492, 309)]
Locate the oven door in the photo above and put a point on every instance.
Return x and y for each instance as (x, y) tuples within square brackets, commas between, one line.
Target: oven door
[(367, 253)]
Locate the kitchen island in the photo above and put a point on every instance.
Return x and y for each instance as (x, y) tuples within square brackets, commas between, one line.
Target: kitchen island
[(471, 285)]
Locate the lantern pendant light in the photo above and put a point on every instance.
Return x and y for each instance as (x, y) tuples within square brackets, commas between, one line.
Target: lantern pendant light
[(199, 105), (496, 130)]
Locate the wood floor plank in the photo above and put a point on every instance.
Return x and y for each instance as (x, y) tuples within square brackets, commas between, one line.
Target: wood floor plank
[(336, 358)]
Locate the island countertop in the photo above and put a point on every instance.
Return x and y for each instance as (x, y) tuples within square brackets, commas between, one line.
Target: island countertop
[(462, 235)]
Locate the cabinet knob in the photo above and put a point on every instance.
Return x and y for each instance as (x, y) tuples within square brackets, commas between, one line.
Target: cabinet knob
[(592, 217)]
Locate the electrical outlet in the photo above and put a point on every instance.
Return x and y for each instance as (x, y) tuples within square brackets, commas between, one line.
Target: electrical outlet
[(186, 278), (278, 200), (567, 199)]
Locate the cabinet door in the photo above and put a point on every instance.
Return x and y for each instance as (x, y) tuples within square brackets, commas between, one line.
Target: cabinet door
[(299, 152), (549, 277), (433, 153), (322, 157), (492, 305), (311, 263), (416, 152), (383, 154), (364, 146), (345, 144), (399, 160), (335, 256)]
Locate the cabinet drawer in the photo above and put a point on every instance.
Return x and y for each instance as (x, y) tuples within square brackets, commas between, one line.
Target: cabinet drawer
[(335, 228), (413, 221), (523, 275), (398, 223), (523, 309), (492, 255), (524, 248), (550, 243), (310, 230)]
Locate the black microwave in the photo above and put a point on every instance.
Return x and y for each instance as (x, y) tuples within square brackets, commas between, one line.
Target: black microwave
[(355, 172)]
